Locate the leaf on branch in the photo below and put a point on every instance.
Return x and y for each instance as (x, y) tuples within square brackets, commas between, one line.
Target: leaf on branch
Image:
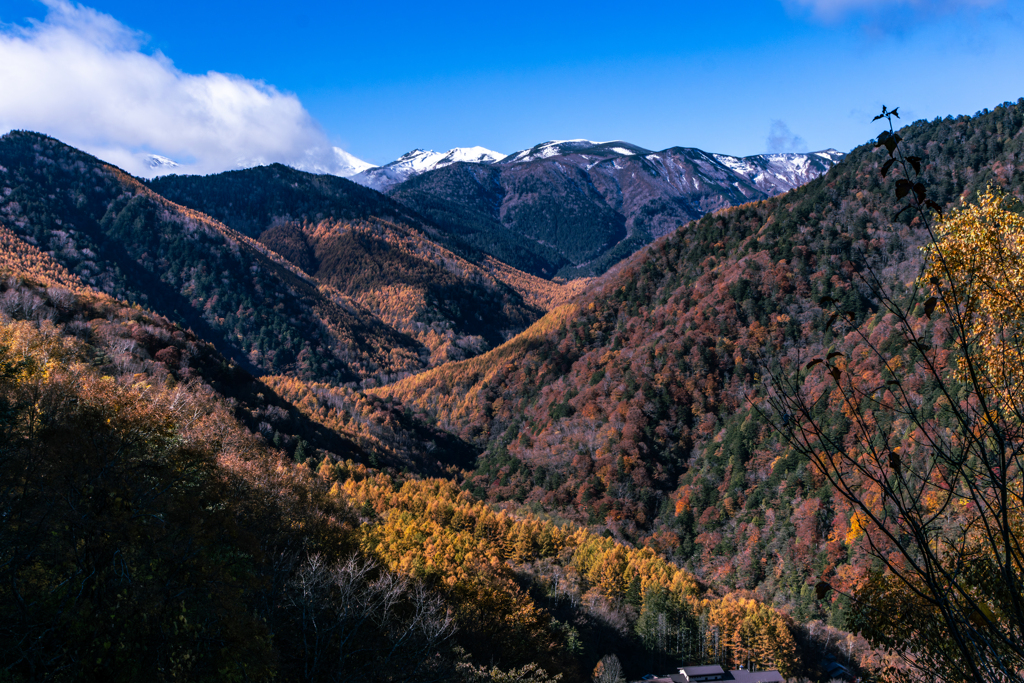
[(929, 306), (826, 300), (916, 163), (833, 355), (895, 464), (893, 381), (886, 166), (903, 188), (934, 206), (934, 280), (921, 192), (922, 347), (822, 589), (836, 374), (891, 142), (832, 319), (979, 615), (850, 315), (813, 363), (893, 112), (882, 137)]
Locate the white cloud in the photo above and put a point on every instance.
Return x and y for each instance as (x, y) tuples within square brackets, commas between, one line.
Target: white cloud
[(80, 76), (834, 10), (782, 139)]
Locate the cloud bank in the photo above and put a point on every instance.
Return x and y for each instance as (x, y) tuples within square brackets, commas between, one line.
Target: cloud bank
[(81, 76)]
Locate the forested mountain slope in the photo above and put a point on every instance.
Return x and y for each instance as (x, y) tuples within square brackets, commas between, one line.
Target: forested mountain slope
[(154, 522), (451, 306), (123, 239), (165, 510), (448, 296), (631, 412), (255, 199)]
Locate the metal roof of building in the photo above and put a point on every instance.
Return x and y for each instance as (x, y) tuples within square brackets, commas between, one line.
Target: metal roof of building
[(701, 670)]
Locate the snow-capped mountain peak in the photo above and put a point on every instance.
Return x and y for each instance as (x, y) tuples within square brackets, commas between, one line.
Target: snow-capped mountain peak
[(553, 148), (419, 161), (833, 155), (780, 171), (472, 155), (548, 149), (160, 163), (349, 165), (771, 173), (333, 161)]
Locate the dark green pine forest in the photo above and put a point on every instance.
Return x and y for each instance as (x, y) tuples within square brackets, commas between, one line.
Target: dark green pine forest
[(266, 425)]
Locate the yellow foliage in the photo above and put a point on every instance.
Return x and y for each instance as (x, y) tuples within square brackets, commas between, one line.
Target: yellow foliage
[(856, 527), (978, 262), (431, 529)]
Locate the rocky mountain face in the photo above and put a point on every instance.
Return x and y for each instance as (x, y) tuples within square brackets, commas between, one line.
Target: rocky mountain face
[(575, 208)]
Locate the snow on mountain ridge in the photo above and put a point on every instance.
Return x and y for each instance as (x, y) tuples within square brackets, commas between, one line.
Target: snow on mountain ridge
[(348, 164), (419, 161), (160, 163), (473, 155), (769, 172), (552, 148), (335, 161), (781, 170)]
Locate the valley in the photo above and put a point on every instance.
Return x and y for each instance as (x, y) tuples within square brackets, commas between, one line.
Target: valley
[(507, 416)]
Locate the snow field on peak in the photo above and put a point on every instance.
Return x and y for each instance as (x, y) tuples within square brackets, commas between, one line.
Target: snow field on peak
[(420, 161), (348, 164), (156, 161)]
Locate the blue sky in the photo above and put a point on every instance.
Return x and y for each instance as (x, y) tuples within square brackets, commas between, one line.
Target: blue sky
[(381, 79)]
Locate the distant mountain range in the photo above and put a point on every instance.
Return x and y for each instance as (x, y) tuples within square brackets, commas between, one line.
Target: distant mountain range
[(574, 208), (563, 208), (768, 171)]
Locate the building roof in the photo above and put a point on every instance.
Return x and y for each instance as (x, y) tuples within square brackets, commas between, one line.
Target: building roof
[(701, 670), (771, 676), (690, 673)]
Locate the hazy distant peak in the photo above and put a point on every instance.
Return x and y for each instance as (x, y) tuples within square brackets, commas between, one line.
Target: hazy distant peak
[(334, 161), (349, 165)]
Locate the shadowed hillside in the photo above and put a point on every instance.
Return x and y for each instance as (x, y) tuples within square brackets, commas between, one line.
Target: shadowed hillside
[(449, 297), (118, 236)]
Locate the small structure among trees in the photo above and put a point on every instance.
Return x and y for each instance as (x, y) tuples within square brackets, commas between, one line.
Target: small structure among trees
[(714, 672)]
